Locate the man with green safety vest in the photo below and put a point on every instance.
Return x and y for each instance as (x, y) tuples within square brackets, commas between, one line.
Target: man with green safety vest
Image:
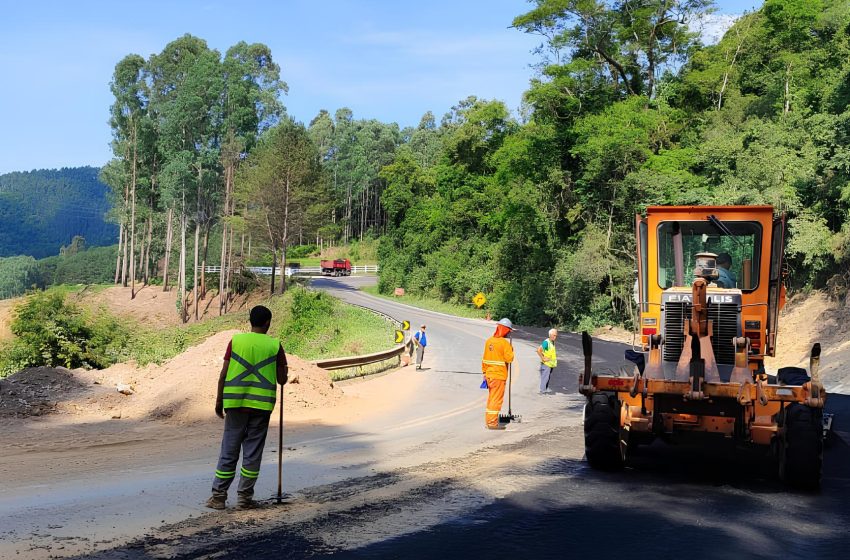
[(548, 360), (247, 389)]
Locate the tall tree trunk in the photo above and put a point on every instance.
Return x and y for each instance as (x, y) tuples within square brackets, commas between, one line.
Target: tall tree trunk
[(229, 296), (133, 222), (118, 256), (274, 262), (141, 259), (195, 267), (197, 238), (148, 250), (182, 279), (169, 233), (285, 235), (222, 277), (204, 261), (787, 108), (124, 258), (347, 228)]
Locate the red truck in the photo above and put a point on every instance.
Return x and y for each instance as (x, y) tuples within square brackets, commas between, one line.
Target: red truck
[(338, 267)]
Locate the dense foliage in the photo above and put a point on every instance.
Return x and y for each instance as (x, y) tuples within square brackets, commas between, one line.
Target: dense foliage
[(75, 264), (42, 210), (628, 110)]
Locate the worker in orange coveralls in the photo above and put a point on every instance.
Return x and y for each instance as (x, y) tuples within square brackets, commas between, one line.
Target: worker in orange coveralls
[(498, 353)]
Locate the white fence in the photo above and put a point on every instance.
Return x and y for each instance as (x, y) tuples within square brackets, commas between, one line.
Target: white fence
[(304, 271)]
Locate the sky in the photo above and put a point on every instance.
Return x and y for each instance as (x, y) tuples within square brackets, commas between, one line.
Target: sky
[(391, 60)]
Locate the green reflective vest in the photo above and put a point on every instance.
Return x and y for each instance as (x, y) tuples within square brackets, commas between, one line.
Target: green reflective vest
[(251, 379), (550, 356)]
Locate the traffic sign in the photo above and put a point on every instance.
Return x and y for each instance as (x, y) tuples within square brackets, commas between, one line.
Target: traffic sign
[(479, 299), (405, 325), (399, 337)]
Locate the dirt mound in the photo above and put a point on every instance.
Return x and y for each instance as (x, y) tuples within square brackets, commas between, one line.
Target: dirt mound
[(182, 390), (809, 319), (37, 391)]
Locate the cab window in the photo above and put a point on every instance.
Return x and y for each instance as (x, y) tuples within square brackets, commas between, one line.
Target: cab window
[(737, 245)]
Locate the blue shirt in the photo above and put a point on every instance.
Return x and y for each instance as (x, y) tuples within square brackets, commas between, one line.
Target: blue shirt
[(421, 338), (726, 278)]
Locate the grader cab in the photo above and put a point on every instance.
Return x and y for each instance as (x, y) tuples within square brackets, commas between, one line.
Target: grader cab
[(709, 292)]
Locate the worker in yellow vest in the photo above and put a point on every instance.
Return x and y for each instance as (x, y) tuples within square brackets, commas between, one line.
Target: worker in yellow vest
[(254, 365), (548, 360), (498, 354)]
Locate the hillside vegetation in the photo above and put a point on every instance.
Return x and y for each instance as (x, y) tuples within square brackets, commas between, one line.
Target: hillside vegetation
[(628, 110), (40, 211)]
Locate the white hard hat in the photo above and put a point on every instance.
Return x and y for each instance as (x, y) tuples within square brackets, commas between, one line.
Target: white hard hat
[(506, 323)]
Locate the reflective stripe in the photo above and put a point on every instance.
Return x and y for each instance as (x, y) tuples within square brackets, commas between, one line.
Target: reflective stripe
[(225, 474), (493, 362), (239, 380), (249, 474), (247, 396), (492, 411)]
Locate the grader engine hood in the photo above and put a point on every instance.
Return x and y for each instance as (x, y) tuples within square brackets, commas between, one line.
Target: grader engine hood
[(724, 311)]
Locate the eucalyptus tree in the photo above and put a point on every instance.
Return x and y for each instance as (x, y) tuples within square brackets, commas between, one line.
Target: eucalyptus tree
[(250, 105), (186, 86), (127, 112)]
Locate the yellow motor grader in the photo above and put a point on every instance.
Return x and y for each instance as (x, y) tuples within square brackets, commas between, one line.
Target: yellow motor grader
[(709, 292)]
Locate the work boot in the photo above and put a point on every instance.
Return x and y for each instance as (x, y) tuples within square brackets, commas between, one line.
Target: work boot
[(247, 503), (496, 427), (216, 502)]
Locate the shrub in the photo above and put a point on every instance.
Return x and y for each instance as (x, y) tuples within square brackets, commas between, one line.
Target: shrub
[(53, 332)]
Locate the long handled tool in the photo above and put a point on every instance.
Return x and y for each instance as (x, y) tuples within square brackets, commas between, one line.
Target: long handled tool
[(280, 452), (510, 416)]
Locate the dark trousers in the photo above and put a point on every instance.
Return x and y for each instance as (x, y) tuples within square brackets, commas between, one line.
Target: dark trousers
[(245, 430)]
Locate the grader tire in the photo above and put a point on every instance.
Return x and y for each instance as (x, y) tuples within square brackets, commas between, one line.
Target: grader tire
[(602, 433), (801, 447)]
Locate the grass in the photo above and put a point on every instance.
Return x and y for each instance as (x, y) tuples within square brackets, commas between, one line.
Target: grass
[(431, 304)]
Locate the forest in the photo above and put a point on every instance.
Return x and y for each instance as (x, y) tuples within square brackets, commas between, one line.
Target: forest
[(44, 209), (627, 109)]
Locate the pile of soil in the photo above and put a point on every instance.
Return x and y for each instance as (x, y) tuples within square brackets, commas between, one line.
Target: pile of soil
[(37, 391), (809, 319), (181, 390)]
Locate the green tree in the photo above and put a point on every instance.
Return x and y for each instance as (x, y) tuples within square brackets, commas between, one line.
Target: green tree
[(283, 187)]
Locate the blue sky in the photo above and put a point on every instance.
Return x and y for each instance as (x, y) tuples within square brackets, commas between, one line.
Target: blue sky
[(389, 60)]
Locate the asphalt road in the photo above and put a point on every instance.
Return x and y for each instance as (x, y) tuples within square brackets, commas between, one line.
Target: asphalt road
[(673, 502), (438, 485)]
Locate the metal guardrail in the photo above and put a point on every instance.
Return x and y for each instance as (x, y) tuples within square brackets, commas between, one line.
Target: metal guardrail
[(366, 359), (290, 271)]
